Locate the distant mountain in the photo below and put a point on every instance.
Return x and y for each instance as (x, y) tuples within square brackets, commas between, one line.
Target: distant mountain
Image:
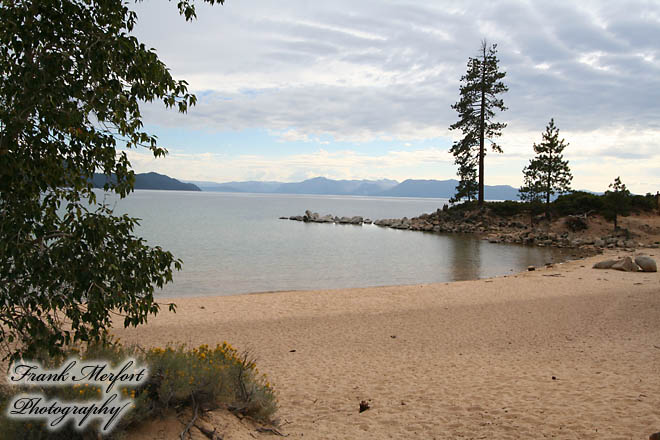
[(149, 181), (250, 186), (321, 185), (384, 188), (446, 189), (500, 192), (423, 188)]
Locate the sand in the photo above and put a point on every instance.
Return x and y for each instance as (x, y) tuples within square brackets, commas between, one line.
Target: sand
[(564, 352)]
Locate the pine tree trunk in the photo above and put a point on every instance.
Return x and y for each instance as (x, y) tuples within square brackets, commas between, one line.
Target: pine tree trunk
[(547, 188), (482, 128)]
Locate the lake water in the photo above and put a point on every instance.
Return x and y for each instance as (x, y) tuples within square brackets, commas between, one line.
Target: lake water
[(235, 243)]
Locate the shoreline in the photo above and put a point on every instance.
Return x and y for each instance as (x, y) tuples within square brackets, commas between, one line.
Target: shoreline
[(568, 255), (445, 360)]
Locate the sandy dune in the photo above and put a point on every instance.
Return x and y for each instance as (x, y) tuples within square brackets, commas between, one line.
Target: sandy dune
[(565, 352)]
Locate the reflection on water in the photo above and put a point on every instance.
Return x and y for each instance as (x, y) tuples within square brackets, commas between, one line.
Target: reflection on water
[(235, 243), (465, 257)]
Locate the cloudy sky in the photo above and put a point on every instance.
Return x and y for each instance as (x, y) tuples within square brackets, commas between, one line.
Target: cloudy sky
[(294, 89)]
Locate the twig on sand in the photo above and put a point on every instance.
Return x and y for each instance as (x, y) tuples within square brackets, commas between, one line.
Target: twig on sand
[(271, 431)]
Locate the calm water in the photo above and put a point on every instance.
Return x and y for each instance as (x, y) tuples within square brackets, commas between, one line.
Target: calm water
[(235, 243)]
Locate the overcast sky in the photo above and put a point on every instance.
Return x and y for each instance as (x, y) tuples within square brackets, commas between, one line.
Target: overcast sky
[(363, 89)]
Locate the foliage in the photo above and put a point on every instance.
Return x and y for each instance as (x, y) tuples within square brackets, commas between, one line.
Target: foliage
[(467, 187), (179, 378), (576, 223), (577, 203), (507, 208), (71, 81), (476, 109), (548, 173), (643, 203), (617, 202)]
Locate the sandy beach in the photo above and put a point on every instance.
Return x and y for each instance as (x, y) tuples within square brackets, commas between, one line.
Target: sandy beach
[(564, 352)]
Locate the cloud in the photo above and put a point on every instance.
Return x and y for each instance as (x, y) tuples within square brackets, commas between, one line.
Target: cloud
[(291, 136), (355, 70), (372, 70)]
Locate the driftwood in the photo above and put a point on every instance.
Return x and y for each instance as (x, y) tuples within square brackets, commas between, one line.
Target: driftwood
[(192, 421)]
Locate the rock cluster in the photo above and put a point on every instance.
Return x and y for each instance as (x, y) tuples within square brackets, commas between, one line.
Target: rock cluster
[(492, 228), (314, 217), (640, 263)]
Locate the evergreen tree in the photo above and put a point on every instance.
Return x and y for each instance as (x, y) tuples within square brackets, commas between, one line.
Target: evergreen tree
[(476, 110), (548, 173), (617, 201)]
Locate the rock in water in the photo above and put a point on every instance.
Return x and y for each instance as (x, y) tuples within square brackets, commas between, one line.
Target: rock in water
[(626, 265), (604, 264), (646, 263), (531, 268)]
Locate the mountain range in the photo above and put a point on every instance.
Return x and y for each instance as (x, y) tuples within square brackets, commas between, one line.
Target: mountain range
[(149, 181), (380, 188)]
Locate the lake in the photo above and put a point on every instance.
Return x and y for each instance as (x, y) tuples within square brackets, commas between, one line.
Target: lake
[(234, 243)]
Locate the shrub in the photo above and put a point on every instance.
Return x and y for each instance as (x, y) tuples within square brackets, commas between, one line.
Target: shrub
[(577, 202), (576, 223), (643, 203), (179, 377), (508, 208)]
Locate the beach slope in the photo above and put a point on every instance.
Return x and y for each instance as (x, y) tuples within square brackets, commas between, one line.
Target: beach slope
[(561, 352)]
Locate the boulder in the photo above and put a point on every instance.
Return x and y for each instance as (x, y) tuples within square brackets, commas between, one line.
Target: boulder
[(310, 216), (357, 220), (626, 265), (604, 264), (367, 221), (646, 263), (599, 243)]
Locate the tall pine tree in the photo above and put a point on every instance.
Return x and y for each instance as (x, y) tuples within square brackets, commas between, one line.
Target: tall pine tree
[(548, 173), (476, 110)]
